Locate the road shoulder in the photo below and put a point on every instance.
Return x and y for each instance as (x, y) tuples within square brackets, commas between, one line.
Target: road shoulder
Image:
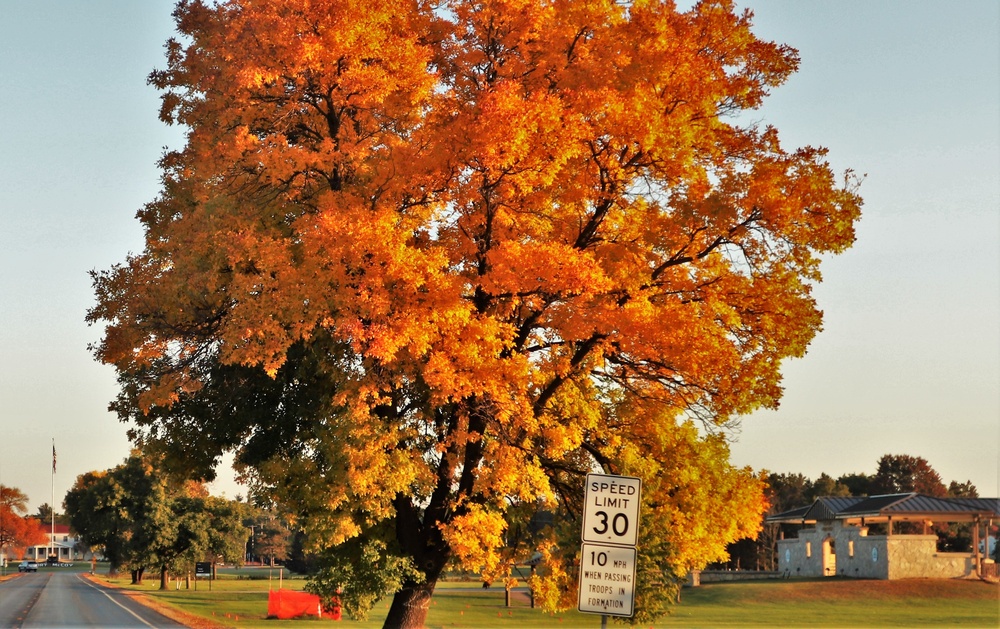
[(187, 619)]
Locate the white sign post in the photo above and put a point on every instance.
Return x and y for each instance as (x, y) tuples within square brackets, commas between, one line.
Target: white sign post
[(608, 555)]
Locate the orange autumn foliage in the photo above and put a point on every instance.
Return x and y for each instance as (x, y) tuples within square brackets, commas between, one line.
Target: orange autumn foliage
[(18, 532), (422, 264)]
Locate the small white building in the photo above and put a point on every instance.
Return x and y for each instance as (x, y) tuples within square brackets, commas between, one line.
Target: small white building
[(839, 544)]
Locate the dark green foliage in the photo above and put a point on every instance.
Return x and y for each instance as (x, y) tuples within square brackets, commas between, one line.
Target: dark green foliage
[(857, 484), (144, 519), (902, 474), (825, 486), (374, 570), (236, 408)]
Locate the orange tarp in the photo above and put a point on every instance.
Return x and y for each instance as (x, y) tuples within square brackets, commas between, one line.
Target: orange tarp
[(285, 604)]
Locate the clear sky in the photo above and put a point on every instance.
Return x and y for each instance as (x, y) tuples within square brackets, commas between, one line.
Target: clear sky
[(907, 92)]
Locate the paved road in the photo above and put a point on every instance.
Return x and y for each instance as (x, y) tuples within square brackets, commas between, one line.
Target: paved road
[(59, 600)]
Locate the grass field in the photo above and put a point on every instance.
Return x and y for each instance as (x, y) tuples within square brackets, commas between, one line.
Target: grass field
[(797, 603)]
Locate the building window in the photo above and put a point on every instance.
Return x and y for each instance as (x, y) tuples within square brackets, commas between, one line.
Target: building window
[(809, 549), (850, 547)]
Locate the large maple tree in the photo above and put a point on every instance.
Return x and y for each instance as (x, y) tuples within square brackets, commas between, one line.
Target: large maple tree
[(422, 265)]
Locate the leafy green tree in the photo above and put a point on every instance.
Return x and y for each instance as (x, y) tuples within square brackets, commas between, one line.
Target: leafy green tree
[(145, 519), (858, 484), (44, 513), (904, 473), (825, 486), (788, 491), (227, 535), (152, 528), (96, 508)]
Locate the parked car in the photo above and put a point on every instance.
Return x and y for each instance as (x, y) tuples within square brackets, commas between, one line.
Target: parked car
[(27, 566)]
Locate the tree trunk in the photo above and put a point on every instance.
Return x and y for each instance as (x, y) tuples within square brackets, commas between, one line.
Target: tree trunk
[(409, 607), (418, 531), (137, 576), (164, 578)]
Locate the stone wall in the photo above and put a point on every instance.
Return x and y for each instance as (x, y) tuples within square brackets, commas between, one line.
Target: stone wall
[(914, 558), (809, 555), (864, 556), (719, 576)]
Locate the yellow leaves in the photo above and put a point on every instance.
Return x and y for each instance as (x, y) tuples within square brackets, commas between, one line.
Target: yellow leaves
[(696, 500), (348, 478), (474, 537), (513, 476), (555, 587), (694, 504)]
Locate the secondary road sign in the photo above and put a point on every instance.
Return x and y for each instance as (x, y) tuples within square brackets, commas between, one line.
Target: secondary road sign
[(611, 509), (607, 580)]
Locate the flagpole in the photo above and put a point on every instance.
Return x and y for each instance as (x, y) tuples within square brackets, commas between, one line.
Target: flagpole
[(3, 556), (52, 538)]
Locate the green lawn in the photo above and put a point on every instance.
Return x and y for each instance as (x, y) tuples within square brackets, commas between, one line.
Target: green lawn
[(840, 603), (242, 603)]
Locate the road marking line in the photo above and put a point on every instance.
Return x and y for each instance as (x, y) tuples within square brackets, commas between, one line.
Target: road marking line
[(137, 616)]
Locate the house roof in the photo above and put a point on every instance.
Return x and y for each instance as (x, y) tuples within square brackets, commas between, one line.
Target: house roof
[(46, 527), (897, 506)]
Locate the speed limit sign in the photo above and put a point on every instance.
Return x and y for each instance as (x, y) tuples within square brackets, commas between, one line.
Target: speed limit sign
[(608, 553), (611, 509)]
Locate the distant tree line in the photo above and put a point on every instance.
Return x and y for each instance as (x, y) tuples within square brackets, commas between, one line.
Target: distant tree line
[(895, 474), (140, 518)]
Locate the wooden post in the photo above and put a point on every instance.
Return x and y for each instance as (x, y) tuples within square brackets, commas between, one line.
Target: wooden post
[(531, 591), (986, 544), (977, 562)]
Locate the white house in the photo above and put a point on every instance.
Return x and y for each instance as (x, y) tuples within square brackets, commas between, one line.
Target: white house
[(62, 544)]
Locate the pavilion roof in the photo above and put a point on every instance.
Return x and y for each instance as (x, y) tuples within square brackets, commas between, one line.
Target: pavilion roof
[(824, 508), (898, 506), (920, 505)]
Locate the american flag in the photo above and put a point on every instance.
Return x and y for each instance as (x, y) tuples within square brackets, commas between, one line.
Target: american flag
[(53, 458)]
